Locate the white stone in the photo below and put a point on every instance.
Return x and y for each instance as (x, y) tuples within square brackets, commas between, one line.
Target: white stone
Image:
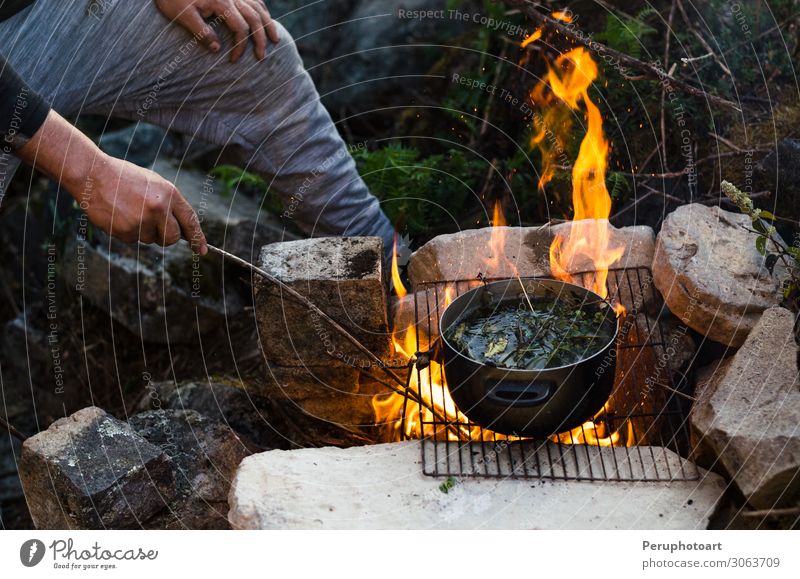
[(382, 487), (710, 273), (526, 251)]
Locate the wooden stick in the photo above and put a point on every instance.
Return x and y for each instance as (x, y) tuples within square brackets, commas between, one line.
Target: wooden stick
[(646, 69), (787, 512), (13, 431)]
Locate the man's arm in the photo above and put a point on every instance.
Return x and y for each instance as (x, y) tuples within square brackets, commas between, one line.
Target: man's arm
[(126, 201)]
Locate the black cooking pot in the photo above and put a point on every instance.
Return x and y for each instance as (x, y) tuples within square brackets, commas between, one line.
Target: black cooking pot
[(527, 402)]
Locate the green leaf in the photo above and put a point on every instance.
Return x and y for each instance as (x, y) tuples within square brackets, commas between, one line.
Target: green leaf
[(766, 215), (759, 226), (761, 245)]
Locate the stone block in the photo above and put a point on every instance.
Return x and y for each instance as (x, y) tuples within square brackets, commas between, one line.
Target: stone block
[(341, 276), (91, 471)]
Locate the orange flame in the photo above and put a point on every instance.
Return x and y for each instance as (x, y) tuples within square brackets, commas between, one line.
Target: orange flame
[(562, 15), (589, 240), (531, 38), (559, 96), (430, 385), (397, 283)]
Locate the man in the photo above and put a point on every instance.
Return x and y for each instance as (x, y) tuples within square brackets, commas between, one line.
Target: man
[(219, 70)]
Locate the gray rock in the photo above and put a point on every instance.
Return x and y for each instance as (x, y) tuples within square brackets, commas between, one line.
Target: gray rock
[(204, 454), (779, 172), (357, 51), (160, 294), (525, 250), (91, 471), (344, 278), (747, 415), (329, 393), (231, 403), (711, 275), (139, 143)]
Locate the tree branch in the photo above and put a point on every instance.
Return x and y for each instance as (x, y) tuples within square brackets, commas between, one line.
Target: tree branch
[(620, 59)]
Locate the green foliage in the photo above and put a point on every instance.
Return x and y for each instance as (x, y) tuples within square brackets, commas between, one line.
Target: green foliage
[(627, 34), (769, 243), (232, 177), (447, 485), (419, 192), (617, 185)]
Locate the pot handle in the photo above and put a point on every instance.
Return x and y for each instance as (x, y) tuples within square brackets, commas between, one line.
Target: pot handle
[(521, 394)]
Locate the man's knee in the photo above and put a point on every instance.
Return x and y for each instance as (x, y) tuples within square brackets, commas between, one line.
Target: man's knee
[(284, 52)]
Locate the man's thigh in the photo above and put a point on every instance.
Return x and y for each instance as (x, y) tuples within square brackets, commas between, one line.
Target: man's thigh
[(125, 57)]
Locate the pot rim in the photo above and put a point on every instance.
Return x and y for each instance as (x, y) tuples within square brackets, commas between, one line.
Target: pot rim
[(602, 350)]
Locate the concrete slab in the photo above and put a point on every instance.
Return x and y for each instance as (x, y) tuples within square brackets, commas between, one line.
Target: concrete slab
[(382, 487)]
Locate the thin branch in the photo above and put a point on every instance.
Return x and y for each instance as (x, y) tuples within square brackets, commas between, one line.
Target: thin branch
[(647, 70), (668, 37), (13, 431), (702, 40), (787, 512)]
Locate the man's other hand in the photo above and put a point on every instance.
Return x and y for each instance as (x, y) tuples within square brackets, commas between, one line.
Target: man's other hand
[(245, 18)]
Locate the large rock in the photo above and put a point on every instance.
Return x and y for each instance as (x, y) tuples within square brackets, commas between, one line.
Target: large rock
[(168, 294), (91, 471), (779, 172), (710, 273), (204, 454), (382, 487), (747, 415), (229, 402), (344, 278), (361, 55), (525, 251)]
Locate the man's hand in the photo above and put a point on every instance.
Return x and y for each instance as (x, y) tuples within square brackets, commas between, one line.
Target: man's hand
[(243, 17), (134, 204), (122, 199)]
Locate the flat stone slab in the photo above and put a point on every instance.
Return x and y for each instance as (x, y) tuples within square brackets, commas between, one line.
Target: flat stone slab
[(746, 419), (382, 487), (710, 273), (525, 250)]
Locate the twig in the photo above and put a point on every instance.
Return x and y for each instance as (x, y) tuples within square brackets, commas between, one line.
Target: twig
[(648, 70), (498, 69), (689, 60), (667, 39), (335, 325), (787, 512), (702, 40), (13, 431)]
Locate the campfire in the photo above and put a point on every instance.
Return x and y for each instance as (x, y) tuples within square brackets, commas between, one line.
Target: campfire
[(586, 247)]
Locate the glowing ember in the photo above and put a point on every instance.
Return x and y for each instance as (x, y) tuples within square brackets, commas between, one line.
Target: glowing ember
[(562, 15), (533, 37)]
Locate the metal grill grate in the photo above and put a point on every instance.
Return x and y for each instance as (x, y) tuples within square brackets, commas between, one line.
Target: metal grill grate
[(647, 408)]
